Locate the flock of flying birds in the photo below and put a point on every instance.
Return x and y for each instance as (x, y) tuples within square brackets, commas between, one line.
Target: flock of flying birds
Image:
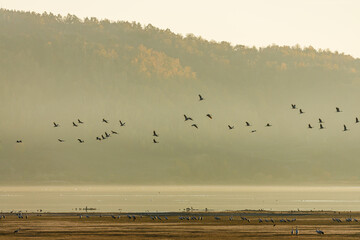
[(106, 135)]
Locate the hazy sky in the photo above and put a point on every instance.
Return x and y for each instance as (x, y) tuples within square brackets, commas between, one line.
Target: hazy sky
[(323, 24)]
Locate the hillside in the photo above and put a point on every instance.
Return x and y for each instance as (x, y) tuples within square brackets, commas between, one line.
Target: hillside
[(61, 68)]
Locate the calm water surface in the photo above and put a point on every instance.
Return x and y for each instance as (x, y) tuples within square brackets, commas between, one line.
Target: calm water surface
[(176, 198)]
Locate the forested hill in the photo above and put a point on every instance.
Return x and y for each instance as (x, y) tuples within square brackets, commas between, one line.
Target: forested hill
[(61, 68), (42, 41)]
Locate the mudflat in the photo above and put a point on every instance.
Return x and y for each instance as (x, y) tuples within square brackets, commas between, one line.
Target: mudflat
[(224, 225)]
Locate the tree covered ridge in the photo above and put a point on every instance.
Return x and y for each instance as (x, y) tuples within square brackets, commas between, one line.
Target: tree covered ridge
[(121, 48)]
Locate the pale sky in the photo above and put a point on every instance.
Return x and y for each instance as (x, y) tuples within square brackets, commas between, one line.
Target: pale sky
[(332, 24)]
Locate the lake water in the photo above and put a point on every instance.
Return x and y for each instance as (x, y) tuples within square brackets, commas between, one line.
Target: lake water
[(177, 198)]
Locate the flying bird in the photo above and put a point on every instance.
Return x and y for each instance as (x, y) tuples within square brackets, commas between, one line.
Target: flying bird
[(60, 140), (80, 140), (209, 116), (230, 127), (200, 98), (74, 124), (247, 124), (113, 132), (309, 126), (194, 125), (301, 111), (293, 106), (121, 123), (55, 124), (155, 134), (154, 141), (345, 129), (79, 121), (338, 109), (105, 121), (188, 118)]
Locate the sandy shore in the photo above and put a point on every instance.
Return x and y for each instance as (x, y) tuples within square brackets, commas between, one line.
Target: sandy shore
[(71, 226)]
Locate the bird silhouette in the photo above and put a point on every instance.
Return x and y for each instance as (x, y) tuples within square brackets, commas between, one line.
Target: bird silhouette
[(121, 123), (155, 134), (107, 135), (102, 136), (60, 140), (18, 141), (293, 106), (253, 131), (247, 124), (321, 126), (200, 98), (309, 126), (80, 140), (320, 121), (345, 129), (209, 116), (105, 121), (55, 124), (356, 120), (79, 121), (301, 111), (154, 141), (74, 124), (97, 138), (338, 109), (194, 125), (188, 118), (268, 125), (113, 132), (230, 127)]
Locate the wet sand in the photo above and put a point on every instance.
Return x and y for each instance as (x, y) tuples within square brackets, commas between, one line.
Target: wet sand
[(71, 226)]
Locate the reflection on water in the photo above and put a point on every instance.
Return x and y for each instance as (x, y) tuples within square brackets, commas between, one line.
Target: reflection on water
[(177, 198)]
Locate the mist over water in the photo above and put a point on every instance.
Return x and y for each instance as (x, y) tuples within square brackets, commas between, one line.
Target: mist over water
[(177, 198)]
